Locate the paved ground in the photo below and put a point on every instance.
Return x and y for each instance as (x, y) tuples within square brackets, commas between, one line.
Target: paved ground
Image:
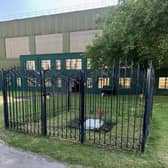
[(13, 158)]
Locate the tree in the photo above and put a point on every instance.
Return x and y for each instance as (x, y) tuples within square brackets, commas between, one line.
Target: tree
[(134, 30)]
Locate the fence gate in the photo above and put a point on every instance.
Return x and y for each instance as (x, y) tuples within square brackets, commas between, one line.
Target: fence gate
[(110, 108), (63, 104)]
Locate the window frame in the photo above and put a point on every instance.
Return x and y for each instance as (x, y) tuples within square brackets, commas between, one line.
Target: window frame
[(105, 82), (89, 83), (59, 82), (71, 64), (58, 64), (123, 82), (165, 80), (28, 65), (43, 62)]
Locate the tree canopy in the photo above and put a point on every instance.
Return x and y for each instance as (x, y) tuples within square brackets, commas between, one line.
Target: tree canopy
[(134, 30)]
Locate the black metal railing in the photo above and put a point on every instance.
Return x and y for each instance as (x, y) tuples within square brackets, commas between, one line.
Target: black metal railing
[(111, 108), (148, 104)]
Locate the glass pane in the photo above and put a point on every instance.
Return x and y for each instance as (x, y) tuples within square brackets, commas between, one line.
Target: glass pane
[(46, 64), (78, 64), (103, 82), (48, 83), (9, 81), (59, 83), (163, 83), (88, 63), (74, 64), (68, 64), (125, 82), (58, 64), (30, 65), (89, 83), (19, 82)]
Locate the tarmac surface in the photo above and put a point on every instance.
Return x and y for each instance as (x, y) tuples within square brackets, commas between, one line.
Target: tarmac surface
[(14, 158)]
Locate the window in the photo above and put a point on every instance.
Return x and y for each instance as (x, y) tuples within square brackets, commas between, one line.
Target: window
[(89, 83), (74, 64), (125, 82), (9, 81), (125, 66), (46, 64), (30, 65), (58, 64), (163, 83), (48, 83), (103, 82), (59, 82), (19, 82), (31, 82), (88, 64)]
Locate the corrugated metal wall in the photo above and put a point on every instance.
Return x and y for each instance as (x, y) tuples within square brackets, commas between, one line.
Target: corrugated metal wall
[(60, 23)]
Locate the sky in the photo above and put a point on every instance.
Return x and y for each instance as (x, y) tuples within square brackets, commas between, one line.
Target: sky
[(15, 9)]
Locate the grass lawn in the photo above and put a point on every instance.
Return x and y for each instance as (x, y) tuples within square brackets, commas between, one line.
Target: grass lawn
[(122, 117), (156, 155)]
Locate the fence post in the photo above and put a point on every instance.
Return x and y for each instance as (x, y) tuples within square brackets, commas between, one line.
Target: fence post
[(152, 88), (148, 104), (68, 94), (43, 104), (82, 110), (5, 99)]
